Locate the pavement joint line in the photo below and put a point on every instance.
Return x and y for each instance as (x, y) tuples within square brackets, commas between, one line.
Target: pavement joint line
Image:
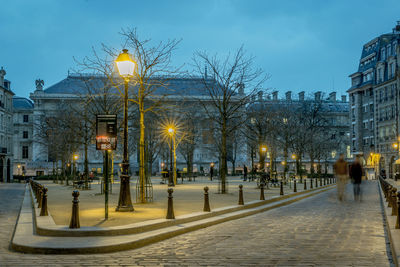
[(393, 233), (25, 240)]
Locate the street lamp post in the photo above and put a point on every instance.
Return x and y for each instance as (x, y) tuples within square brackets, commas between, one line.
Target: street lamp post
[(263, 150), (75, 158), (294, 157), (171, 132), (126, 68), (397, 147)]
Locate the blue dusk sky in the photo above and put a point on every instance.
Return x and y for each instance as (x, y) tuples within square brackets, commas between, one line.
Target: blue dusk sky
[(305, 45)]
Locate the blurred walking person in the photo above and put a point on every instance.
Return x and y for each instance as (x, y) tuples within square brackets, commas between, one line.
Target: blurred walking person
[(341, 171), (356, 172)]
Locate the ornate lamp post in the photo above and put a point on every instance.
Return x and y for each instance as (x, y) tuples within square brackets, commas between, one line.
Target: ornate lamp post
[(294, 157), (126, 68), (75, 157), (171, 133), (263, 152)]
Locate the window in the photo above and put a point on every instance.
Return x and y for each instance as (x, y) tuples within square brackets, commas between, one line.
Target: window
[(25, 134), (26, 118), (24, 152)]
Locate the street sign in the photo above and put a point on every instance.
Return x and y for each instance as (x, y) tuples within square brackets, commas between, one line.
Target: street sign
[(106, 132)]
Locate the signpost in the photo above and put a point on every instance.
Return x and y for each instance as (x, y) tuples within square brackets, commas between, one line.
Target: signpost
[(106, 139)]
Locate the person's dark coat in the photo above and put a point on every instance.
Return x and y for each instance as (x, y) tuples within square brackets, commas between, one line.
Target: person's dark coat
[(356, 172)]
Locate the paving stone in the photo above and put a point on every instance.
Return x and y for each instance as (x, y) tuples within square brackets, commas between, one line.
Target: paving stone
[(317, 231)]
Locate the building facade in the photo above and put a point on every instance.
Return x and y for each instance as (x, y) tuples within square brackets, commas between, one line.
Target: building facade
[(334, 116), (6, 128), (23, 133), (374, 102), (185, 95)]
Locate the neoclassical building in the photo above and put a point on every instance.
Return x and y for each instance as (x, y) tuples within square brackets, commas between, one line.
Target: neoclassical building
[(374, 102), (6, 128), (23, 135), (334, 113), (185, 96)]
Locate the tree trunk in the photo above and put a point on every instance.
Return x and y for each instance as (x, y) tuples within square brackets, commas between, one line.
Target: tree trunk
[(223, 157), (142, 175), (233, 167), (86, 162)]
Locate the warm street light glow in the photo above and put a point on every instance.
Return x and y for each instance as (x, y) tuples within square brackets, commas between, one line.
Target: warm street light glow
[(263, 148), (212, 164), (294, 156), (395, 145), (75, 157), (171, 130), (19, 166), (125, 65), (283, 163)]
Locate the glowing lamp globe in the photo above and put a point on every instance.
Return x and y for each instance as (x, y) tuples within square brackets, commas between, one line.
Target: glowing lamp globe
[(125, 65)]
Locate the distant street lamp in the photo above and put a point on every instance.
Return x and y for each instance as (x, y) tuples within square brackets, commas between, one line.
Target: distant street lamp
[(75, 157), (263, 152), (171, 132), (126, 68), (294, 157)]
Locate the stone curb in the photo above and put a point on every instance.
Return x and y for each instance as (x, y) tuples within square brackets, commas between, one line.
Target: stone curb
[(26, 239), (393, 233)]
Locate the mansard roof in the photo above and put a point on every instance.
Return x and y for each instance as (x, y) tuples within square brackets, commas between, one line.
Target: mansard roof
[(22, 103), (78, 84), (326, 105)]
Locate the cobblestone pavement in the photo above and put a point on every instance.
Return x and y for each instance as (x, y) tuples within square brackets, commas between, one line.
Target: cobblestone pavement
[(317, 231)]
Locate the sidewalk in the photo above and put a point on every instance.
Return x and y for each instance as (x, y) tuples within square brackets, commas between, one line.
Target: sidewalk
[(188, 198)]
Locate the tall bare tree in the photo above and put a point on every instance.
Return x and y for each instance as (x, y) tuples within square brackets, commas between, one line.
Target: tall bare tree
[(153, 70), (226, 98)]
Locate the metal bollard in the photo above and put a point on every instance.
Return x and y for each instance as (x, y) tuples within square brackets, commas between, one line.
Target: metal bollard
[(281, 193), (388, 198), (305, 183), (43, 211), (241, 202), (262, 197), (74, 223), (39, 197), (206, 200), (394, 201), (294, 186), (170, 211)]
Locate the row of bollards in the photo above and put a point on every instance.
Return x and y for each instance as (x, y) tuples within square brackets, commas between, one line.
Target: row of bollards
[(392, 197), (40, 193)]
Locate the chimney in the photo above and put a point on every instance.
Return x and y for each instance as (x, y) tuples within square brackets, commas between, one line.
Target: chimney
[(301, 96), (332, 97), (288, 96), (268, 96), (2, 74), (317, 96), (344, 98), (275, 95), (260, 95)]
